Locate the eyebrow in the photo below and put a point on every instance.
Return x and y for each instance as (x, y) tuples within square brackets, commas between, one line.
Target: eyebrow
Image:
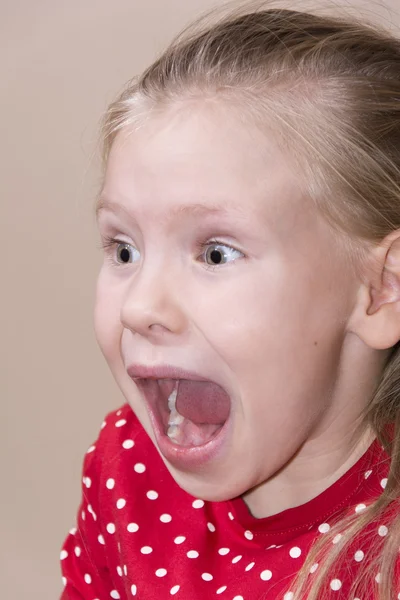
[(181, 210)]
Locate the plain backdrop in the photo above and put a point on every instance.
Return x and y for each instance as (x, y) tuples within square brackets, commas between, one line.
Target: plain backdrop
[(60, 64)]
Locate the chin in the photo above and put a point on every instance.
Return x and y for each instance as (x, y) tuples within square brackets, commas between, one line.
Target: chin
[(206, 487)]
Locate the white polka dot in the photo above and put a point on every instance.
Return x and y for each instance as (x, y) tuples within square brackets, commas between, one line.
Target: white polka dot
[(152, 495), (63, 554), (120, 423), (238, 598), (211, 527), (165, 518), (87, 578), (132, 527), (367, 473), (266, 575), (324, 528), (223, 551), (77, 551), (119, 571), (89, 450), (248, 534), (128, 444), (337, 538), (230, 515), (110, 528), (110, 483), (73, 531), (180, 539), (383, 530), (174, 590), (146, 550), (161, 572), (139, 468), (250, 566), (236, 559), (192, 554), (288, 596), (295, 552), (101, 539), (83, 515), (114, 594), (121, 503), (207, 576), (198, 503), (360, 508), (91, 511), (335, 585), (358, 556), (104, 423), (125, 570), (378, 578), (87, 481), (221, 589), (384, 482), (118, 412), (133, 589), (314, 568)]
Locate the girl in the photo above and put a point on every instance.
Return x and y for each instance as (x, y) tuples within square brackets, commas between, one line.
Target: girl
[(249, 309)]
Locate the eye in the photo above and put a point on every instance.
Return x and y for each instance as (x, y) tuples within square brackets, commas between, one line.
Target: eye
[(216, 254), (125, 253)]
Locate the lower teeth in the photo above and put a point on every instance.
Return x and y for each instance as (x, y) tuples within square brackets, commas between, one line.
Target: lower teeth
[(175, 419)]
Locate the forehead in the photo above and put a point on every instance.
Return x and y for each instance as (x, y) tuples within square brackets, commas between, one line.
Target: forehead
[(201, 156)]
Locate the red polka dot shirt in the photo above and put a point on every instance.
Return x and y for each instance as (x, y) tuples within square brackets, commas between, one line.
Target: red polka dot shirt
[(138, 534)]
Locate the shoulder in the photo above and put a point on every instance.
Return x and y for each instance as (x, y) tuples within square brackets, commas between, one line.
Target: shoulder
[(120, 432), (123, 458)]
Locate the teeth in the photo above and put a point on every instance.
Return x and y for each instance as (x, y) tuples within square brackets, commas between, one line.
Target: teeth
[(172, 398), (175, 419), (173, 432)]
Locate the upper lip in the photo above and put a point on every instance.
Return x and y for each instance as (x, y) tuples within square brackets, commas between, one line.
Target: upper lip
[(137, 371)]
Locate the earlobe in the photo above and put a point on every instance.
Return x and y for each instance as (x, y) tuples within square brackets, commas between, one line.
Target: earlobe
[(376, 315)]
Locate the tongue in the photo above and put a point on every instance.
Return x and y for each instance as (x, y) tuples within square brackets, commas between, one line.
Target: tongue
[(202, 402)]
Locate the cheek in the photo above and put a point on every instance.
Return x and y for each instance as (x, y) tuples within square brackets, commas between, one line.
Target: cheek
[(245, 312), (107, 323)]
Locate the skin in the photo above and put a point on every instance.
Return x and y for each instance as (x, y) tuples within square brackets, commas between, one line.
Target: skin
[(283, 325)]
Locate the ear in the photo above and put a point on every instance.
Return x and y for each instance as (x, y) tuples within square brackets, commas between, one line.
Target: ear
[(376, 316)]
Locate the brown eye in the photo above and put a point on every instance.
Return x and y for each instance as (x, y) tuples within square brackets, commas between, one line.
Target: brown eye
[(126, 253)]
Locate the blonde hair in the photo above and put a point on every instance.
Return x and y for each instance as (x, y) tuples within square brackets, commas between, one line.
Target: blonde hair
[(329, 89)]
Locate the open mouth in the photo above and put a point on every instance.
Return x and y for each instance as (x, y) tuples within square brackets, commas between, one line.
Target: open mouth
[(190, 413)]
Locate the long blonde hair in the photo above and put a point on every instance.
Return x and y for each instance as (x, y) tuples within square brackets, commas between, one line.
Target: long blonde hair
[(329, 88)]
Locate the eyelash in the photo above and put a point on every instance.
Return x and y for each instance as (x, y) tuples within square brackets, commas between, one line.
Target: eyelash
[(108, 244), (202, 247)]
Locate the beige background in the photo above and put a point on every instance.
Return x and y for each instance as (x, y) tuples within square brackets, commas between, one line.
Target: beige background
[(60, 63)]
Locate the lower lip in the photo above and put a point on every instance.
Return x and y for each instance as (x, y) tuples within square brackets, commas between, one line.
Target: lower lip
[(186, 458)]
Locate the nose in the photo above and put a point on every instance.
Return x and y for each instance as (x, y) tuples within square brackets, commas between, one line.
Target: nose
[(151, 306)]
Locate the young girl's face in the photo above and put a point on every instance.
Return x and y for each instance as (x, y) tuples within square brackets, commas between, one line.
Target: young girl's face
[(221, 267)]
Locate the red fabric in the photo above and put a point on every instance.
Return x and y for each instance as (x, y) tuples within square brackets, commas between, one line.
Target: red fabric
[(139, 534)]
